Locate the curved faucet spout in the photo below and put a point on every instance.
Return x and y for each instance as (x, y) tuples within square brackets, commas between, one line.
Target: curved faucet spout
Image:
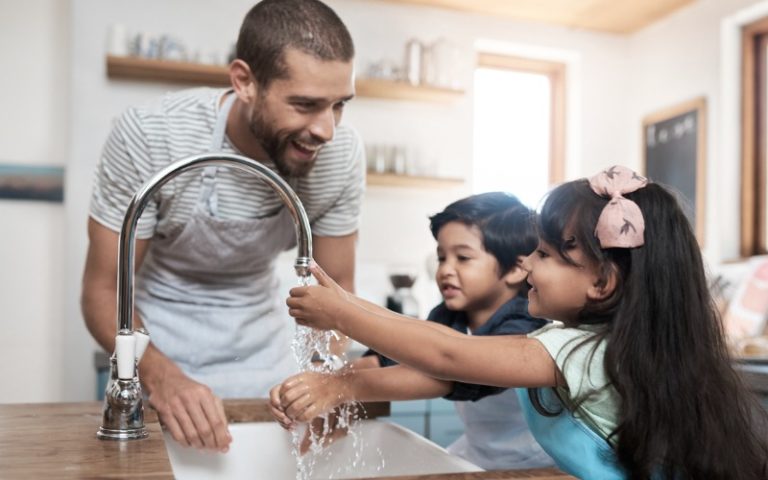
[(123, 413), (139, 201)]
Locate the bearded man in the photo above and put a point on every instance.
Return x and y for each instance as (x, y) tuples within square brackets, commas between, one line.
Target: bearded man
[(207, 242)]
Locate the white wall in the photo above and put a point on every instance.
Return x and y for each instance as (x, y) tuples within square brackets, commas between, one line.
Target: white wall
[(33, 131), (680, 58), (611, 85), (394, 225)]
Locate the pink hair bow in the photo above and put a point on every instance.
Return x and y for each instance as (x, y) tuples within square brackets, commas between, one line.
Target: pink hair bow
[(621, 223)]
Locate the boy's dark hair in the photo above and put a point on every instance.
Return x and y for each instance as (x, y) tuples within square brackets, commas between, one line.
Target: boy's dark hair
[(272, 26), (685, 413), (506, 224)]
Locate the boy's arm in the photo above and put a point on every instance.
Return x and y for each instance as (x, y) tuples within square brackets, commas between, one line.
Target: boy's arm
[(308, 395), (394, 383)]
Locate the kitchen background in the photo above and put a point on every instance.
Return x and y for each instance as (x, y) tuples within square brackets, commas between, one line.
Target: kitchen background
[(58, 104)]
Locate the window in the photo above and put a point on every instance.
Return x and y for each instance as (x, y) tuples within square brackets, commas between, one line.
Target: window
[(519, 132)]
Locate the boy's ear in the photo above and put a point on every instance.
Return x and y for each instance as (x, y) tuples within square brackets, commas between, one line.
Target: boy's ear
[(516, 274), (603, 288), (242, 81)]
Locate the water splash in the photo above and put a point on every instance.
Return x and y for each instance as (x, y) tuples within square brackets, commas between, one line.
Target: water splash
[(312, 351)]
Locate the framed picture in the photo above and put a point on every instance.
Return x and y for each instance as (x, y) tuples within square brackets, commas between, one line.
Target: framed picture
[(674, 154), (32, 182)]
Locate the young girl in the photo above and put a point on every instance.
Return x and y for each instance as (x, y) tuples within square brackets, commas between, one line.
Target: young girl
[(640, 364)]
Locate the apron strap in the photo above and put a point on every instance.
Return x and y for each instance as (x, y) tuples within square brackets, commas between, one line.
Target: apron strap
[(208, 196), (534, 394)]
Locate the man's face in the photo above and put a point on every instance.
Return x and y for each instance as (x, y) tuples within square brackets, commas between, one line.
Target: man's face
[(295, 116)]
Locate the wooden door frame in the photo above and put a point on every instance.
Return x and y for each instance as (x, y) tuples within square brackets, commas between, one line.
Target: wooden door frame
[(753, 143)]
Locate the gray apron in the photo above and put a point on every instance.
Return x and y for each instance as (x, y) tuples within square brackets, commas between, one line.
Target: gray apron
[(208, 294), (496, 436)]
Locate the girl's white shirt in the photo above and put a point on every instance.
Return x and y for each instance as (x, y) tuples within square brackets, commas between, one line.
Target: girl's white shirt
[(581, 363)]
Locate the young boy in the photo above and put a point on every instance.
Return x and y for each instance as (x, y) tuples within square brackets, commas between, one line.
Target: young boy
[(480, 242)]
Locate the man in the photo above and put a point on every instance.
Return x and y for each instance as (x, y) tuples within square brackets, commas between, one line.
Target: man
[(206, 244)]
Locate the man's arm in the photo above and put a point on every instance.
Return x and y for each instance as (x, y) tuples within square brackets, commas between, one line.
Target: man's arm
[(190, 411), (99, 288), (338, 255)]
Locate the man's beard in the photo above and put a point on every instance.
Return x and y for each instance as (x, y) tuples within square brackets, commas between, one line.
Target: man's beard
[(275, 143)]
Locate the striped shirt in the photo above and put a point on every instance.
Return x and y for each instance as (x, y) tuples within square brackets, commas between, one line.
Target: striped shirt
[(147, 138)]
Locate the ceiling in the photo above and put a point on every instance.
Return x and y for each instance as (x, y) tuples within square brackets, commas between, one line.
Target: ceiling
[(615, 16)]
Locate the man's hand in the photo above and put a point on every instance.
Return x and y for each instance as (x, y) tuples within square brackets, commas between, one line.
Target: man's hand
[(191, 412)]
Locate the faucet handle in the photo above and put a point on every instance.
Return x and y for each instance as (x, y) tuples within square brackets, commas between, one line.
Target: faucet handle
[(125, 351), (142, 340)]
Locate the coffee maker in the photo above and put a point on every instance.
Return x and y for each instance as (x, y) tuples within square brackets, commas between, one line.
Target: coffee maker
[(402, 300)]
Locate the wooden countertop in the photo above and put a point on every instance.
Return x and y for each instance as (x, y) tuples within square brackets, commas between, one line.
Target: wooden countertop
[(58, 440)]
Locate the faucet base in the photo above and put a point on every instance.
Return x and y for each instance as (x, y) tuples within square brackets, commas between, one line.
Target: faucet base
[(132, 434)]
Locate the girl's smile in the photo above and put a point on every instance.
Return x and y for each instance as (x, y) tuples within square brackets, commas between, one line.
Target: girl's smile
[(559, 289)]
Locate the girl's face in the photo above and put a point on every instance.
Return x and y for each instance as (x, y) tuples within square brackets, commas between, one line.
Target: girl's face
[(559, 290), (467, 275)]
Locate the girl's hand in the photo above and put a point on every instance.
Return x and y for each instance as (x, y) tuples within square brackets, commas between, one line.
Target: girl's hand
[(310, 394), (317, 306)]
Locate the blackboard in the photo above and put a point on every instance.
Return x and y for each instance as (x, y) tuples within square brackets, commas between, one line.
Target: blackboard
[(674, 143)]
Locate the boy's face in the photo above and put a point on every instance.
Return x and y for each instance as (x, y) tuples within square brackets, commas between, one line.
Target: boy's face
[(467, 275)]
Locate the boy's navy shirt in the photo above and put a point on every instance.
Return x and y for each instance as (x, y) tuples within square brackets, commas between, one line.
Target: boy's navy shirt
[(512, 318)]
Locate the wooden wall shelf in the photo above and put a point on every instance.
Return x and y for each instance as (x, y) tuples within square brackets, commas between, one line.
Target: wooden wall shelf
[(388, 89), (143, 69), (392, 180), (135, 68)]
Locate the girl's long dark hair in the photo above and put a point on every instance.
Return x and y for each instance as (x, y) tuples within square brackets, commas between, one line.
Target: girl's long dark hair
[(685, 412)]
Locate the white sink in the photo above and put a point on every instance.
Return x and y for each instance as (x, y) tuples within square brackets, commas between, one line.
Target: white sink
[(262, 451)]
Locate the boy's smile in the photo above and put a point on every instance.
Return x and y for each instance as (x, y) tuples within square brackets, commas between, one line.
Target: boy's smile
[(468, 276), (449, 291)]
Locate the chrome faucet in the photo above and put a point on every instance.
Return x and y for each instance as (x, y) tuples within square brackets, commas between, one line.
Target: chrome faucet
[(123, 414)]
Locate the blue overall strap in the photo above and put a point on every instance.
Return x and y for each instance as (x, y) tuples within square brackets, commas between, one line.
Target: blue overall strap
[(576, 449)]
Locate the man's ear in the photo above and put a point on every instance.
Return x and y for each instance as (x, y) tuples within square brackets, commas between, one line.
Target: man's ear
[(242, 81), (516, 274), (602, 288)]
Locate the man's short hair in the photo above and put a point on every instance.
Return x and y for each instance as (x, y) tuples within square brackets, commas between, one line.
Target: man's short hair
[(272, 26)]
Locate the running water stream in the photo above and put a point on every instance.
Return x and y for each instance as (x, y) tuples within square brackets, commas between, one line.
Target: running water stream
[(311, 344)]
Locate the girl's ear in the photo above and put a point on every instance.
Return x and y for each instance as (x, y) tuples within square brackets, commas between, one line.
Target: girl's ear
[(242, 81), (516, 274), (603, 287)]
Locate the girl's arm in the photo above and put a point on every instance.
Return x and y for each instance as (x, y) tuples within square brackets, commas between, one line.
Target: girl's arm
[(371, 307), (505, 361), (308, 395)]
